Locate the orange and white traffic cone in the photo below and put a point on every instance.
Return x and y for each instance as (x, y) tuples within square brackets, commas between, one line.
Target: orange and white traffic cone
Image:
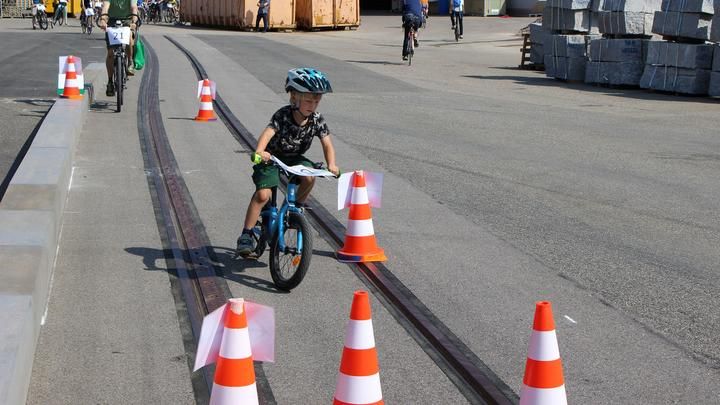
[(543, 383), (234, 381), (71, 89), (360, 244), (206, 112), (359, 379)]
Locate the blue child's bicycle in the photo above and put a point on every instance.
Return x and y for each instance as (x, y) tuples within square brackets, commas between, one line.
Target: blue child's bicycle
[(286, 230)]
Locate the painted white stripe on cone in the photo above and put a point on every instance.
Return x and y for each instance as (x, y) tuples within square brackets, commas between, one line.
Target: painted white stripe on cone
[(358, 390), (543, 346), (360, 227), (542, 396), (359, 196), (71, 83), (71, 68), (206, 91), (240, 347), (222, 395), (206, 106), (359, 335)]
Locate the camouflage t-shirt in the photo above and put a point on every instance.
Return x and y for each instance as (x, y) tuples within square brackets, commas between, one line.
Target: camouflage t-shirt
[(291, 139)]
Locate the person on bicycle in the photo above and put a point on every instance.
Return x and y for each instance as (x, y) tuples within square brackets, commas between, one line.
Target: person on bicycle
[(288, 136), (60, 9), (86, 4), (412, 19), (35, 12), (112, 11), (456, 12)]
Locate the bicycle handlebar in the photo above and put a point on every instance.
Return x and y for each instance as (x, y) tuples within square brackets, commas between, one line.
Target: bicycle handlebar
[(257, 159)]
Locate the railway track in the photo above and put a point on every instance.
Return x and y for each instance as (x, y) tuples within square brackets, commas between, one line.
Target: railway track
[(201, 290)]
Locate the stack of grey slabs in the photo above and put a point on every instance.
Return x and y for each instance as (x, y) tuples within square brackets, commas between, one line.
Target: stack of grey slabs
[(568, 15), (678, 67), (538, 37), (675, 79), (617, 62), (625, 23), (689, 56), (684, 19), (566, 57), (714, 87), (627, 17), (715, 24)]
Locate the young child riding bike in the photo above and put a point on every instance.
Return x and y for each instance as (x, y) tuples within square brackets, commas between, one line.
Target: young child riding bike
[(288, 136)]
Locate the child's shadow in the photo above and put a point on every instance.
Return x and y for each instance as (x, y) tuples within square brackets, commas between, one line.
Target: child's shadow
[(227, 266)]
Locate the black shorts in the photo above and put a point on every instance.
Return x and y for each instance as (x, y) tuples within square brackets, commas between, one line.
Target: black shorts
[(411, 20)]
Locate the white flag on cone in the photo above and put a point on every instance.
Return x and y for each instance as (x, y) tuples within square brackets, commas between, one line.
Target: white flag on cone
[(212, 88), (373, 183), (62, 66), (261, 327)]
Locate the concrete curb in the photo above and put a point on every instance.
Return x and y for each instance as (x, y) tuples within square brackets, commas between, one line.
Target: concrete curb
[(30, 220)]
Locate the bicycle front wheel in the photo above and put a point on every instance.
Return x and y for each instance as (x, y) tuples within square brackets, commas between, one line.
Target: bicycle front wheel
[(119, 72), (288, 267)]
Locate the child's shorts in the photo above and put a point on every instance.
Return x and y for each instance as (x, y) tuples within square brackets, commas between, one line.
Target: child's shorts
[(267, 175)]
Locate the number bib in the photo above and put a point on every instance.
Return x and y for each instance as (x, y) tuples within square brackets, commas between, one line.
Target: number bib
[(89, 12), (119, 36)]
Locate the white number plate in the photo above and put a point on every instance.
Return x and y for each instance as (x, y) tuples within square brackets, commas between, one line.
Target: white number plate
[(119, 36), (89, 12)]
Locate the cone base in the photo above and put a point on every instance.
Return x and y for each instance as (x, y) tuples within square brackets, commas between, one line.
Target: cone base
[(354, 257), (199, 118), (72, 97)]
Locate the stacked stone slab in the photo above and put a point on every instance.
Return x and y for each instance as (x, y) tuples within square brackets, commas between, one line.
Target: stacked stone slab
[(538, 37), (678, 67), (715, 23), (616, 62), (567, 57), (618, 58), (569, 22), (627, 17), (714, 87), (684, 19), (569, 15)]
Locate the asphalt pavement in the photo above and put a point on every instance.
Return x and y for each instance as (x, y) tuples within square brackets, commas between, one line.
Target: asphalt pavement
[(502, 187), (28, 78)]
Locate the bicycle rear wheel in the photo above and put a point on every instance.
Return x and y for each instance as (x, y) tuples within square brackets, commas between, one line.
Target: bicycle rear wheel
[(119, 72), (42, 21), (288, 268)]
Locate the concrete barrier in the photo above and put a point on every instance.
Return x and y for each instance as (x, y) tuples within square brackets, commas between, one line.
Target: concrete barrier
[(30, 219)]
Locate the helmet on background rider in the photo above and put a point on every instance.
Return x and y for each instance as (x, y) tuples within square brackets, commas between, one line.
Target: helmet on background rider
[(307, 80)]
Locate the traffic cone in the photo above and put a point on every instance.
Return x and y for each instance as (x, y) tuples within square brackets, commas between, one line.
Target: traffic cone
[(234, 381), (360, 245), (359, 379), (543, 383), (71, 89), (206, 112)]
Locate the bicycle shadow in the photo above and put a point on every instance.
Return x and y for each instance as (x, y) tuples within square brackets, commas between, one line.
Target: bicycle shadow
[(226, 265)]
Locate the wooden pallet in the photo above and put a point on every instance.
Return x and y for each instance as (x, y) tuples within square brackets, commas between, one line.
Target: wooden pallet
[(525, 51)]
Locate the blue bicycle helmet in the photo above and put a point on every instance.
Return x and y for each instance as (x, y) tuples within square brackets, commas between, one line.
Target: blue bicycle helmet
[(307, 80)]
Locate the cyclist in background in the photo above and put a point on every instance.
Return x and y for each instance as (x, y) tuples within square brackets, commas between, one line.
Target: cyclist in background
[(61, 8), (288, 136), (425, 10), (412, 19), (112, 11), (456, 12), (35, 12), (86, 4)]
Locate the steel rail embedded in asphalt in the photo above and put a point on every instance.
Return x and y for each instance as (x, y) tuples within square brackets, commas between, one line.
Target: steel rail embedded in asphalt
[(185, 237), (471, 376)]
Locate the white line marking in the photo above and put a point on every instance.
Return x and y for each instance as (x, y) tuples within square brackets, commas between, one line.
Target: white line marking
[(570, 319)]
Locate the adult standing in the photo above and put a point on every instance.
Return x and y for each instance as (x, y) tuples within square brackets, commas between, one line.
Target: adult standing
[(263, 10)]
